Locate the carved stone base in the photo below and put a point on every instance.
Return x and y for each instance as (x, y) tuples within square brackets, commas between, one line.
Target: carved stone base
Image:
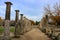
[(7, 30)]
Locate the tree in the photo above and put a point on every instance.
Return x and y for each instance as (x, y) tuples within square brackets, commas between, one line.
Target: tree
[(57, 9), (37, 22), (47, 10), (54, 14)]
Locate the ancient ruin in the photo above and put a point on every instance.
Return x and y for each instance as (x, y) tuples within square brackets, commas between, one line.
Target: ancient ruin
[(24, 28), (7, 21), (16, 24)]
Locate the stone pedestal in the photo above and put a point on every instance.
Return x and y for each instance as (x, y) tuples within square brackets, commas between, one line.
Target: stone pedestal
[(7, 30), (21, 28), (16, 33)]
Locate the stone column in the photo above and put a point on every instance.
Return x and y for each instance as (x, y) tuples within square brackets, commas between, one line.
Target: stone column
[(28, 24), (30, 27), (7, 21), (8, 8), (25, 25), (16, 24), (17, 15), (46, 23), (21, 17), (21, 24)]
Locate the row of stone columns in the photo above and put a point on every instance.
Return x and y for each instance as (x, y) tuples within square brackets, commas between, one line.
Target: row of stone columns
[(7, 22), (25, 25), (20, 27)]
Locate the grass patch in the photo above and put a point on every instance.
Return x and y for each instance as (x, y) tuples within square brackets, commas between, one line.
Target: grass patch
[(12, 29), (1, 29)]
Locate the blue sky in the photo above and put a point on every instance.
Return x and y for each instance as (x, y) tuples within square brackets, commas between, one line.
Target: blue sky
[(32, 9)]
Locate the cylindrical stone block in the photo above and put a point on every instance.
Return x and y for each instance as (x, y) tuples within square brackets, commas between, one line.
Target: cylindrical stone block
[(17, 15), (21, 16), (8, 8)]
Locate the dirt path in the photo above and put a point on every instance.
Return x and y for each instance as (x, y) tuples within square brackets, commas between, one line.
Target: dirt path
[(35, 34)]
